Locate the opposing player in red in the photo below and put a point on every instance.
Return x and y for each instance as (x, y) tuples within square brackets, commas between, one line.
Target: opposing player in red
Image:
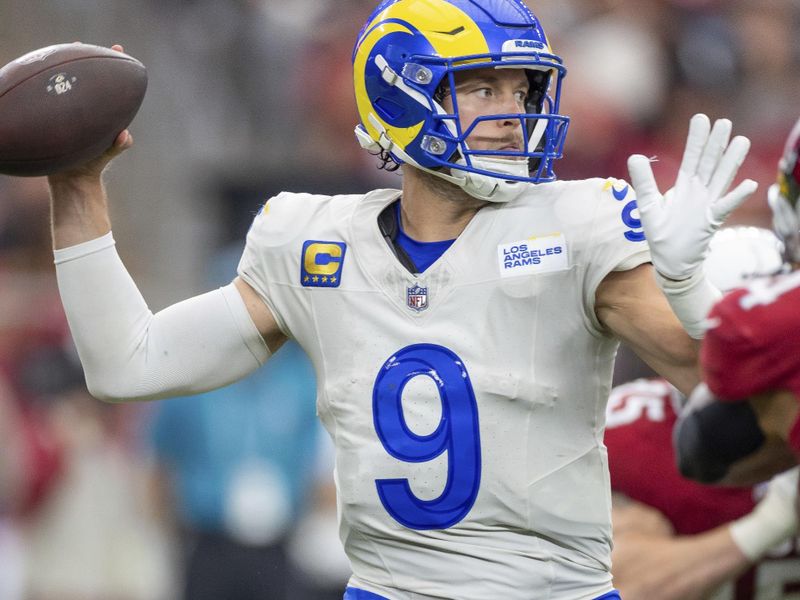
[(667, 527), (741, 425)]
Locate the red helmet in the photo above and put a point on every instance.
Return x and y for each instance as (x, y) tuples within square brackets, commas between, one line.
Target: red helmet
[(783, 197)]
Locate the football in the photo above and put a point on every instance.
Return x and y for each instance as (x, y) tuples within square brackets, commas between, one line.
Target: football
[(65, 104)]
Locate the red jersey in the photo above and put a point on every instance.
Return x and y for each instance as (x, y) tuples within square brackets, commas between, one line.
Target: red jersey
[(753, 344), (640, 419)]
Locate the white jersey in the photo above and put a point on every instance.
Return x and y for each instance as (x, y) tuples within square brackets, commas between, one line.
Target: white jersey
[(466, 403)]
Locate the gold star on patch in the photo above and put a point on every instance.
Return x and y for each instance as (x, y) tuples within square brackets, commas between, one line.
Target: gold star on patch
[(333, 279), (306, 280), (325, 279), (315, 279)]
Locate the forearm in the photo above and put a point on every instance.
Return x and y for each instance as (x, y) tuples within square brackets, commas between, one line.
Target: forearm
[(650, 565), (776, 413), (690, 300), (78, 204), (78, 210), (671, 353), (676, 568), (733, 443), (633, 308)]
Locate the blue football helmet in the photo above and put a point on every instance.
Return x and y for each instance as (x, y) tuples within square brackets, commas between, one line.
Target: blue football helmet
[(784, 194), (404, 64)]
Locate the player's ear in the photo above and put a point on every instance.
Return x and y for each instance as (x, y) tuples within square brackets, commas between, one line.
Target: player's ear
[(711, 436)]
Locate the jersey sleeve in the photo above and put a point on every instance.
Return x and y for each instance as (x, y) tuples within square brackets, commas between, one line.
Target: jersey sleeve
[(753, 343), (269, 260), (615, 238)]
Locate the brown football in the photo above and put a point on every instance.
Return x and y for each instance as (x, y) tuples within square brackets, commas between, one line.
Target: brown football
[(65, 104)]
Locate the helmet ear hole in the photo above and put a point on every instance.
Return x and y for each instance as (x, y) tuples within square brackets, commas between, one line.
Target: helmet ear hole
[(388, 110)]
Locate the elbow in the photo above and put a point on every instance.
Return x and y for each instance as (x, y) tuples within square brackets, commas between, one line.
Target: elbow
[(105, 393), (113, 390)]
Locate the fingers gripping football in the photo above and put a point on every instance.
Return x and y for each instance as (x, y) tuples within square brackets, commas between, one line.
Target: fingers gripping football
[(679, 224), (65, 105)]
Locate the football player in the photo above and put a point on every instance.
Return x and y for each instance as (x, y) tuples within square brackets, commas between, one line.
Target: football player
[(674, 538), (741, 425), (446, 320)]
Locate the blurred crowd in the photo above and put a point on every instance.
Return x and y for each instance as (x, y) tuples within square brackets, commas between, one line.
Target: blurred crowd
[(246, 98)]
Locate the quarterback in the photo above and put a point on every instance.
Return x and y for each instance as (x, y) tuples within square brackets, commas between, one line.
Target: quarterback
[(447, 321)]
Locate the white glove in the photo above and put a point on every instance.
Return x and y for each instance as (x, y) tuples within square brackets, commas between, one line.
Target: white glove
[(679, 224), (772, 521)]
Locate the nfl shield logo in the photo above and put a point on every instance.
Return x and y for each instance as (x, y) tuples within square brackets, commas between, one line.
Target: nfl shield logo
[(417, 298)]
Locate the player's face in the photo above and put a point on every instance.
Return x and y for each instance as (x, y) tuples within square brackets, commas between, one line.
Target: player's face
[(483, 92)]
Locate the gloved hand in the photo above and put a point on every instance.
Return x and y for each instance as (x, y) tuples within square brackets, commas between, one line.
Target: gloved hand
[(773, 520), (680, 223)]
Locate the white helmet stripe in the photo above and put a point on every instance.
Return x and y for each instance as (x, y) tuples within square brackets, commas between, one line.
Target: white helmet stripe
[(396, 80), (538, 133)]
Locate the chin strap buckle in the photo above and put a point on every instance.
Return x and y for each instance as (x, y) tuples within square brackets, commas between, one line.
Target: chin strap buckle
[(365, 139)]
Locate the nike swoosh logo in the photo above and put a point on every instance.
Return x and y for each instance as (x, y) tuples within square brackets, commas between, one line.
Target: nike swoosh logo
[(620, 195), (455, 31)]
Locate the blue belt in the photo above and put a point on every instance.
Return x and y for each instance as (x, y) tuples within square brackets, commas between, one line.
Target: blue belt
[(352, 593)]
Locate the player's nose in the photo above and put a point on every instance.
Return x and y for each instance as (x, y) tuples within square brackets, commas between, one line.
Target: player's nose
[(509, 105)]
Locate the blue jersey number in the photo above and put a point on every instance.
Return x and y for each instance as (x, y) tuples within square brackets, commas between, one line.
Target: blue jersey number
[(635, 233), (457, 433)]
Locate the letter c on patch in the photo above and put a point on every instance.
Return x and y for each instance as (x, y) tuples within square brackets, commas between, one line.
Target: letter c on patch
[(323, 259)]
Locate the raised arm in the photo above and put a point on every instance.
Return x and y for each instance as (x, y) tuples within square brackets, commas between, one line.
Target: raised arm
[(631, 306), (661, 312), (679, 224), (650, 562), (129, 353)]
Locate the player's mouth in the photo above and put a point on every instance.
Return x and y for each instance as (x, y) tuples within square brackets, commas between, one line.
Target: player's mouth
[(506, 144), (509, 145)]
